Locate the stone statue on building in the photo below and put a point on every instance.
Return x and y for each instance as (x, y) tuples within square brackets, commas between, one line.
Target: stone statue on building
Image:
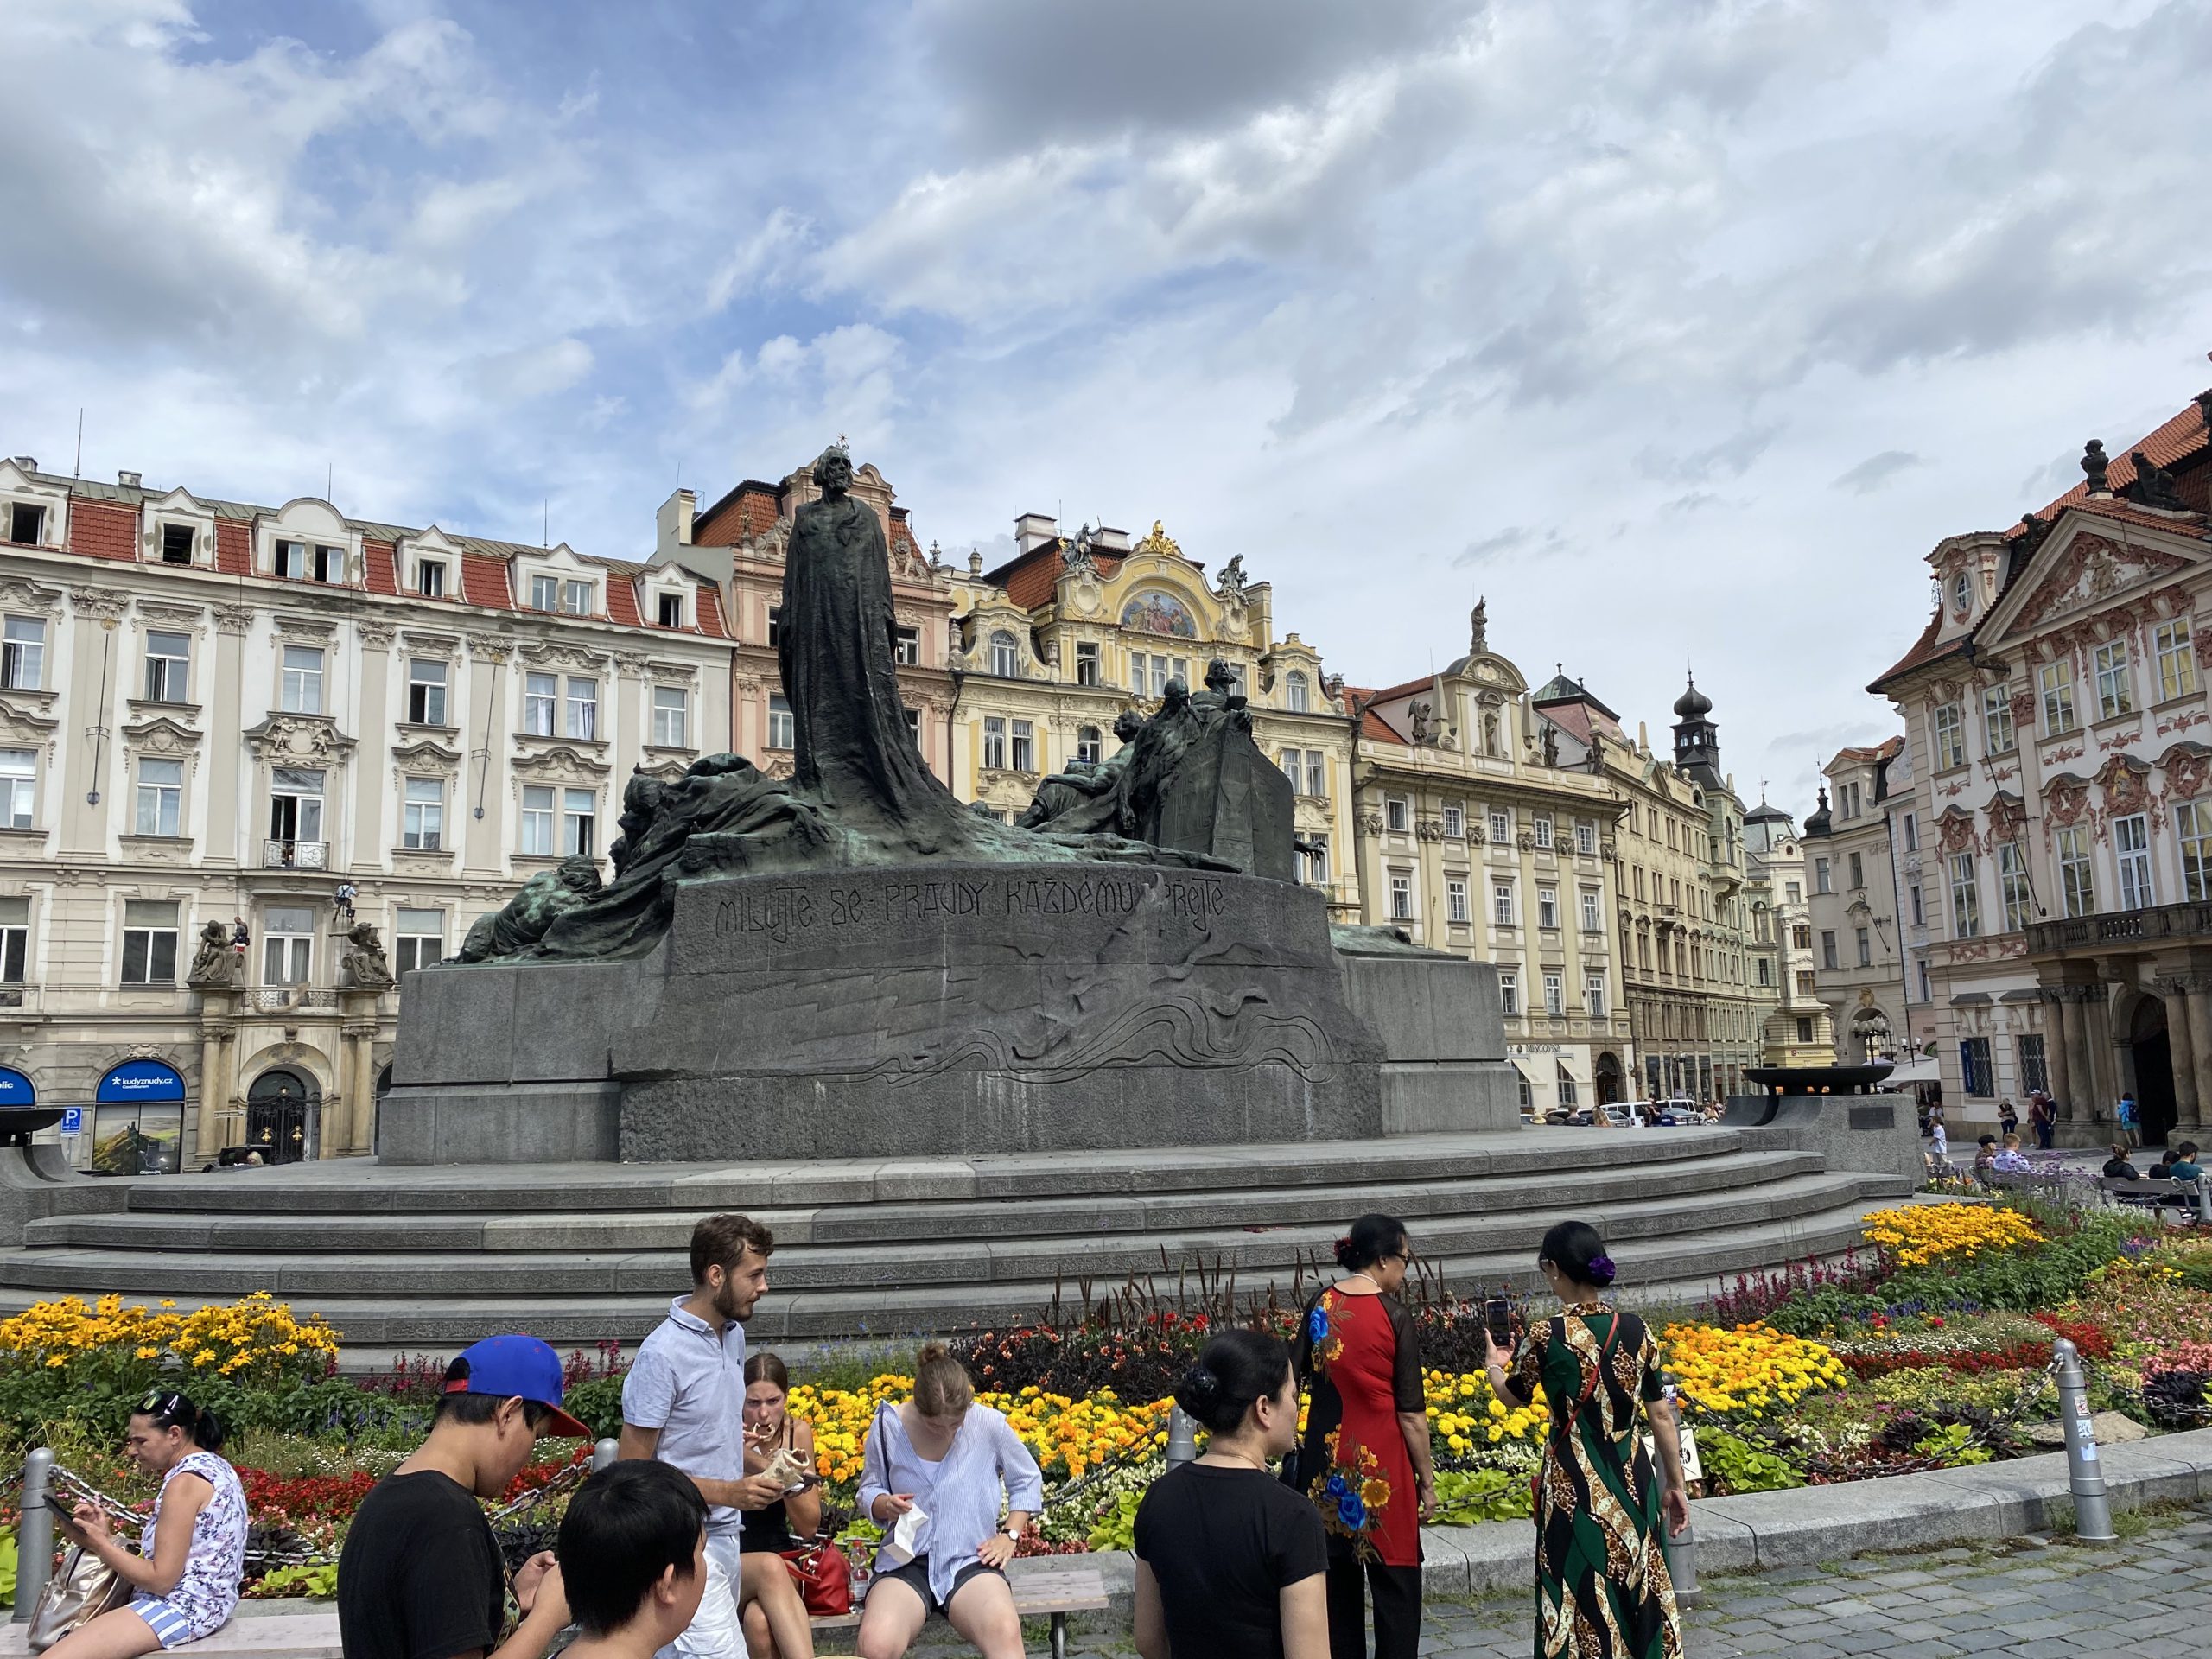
[(1064, 791), (2153, 486), (2094, 462), (1077, 556), (1478, 628), (214, 964), (1232, 577), (1491, 743), (1423, 719), (1551, 744), (362, 965)]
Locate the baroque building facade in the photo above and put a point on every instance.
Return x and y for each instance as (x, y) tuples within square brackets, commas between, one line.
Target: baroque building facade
[(2055, 708), (233, 735), (1796, 1030), (1475, 836), (1051, 646), (1857, 895)]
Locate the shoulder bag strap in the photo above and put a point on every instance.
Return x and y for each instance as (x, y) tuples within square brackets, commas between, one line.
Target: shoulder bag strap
[(1589, 1383)]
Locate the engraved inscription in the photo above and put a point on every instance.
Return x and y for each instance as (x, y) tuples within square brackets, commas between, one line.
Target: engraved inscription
[(1198, 902), (1059, 896), (774, 911)]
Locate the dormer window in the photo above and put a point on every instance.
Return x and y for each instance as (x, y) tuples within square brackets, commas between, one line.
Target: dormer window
[(176, 543), (577, 599), (1961, 593), (430, 578), (671, 609), (310, 562), (25, 524), (544, 593)]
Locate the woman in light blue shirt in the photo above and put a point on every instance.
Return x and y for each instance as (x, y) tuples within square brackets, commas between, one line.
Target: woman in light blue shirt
[(956, 1462)]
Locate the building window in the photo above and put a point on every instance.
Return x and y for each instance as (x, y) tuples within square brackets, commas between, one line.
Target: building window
[(1800, 936), (581, 708), (424, 829), (2192, 825), (995, 742), (19, 788), (2115, 692), (1766, 972), (1927, 988), (1593, 919), (537, 821), (25, 524), (1455, 821), (1509, 994), (783, 730), (2077, 885), (1456, 908), (579, 598), (579, 823), (1501, 825), (1974, 1062), (1401, 896), (430, 578), (1966, 904), (1828, 956), (1805, 983), (287, 945), (1317, 861), (22, 654), (302, 690), (2130, 849), (1501, 903), (148, 942), (176, 543), (1593, 996), (1140, 666), (669, 607), (2176, 654), (1398, 814), (1858, 872), (1865, 949), (2035, 1071), (1543, 829), (544, 593), (1317, 773), (299, 562), (540, 694), (914, 725), (1586, 837), (15, 939), (2012, 885), (776, 628), (419, 939), (2056, 680), (161, 795), (426, 693), (1006, 657), (1919, 908), (1997, 734), (295, 810), (1554, 995), (1294, 695), (1086, 663), (1547, 908), (168, 665), (671, 717), (1912, 832), (1025, 745), (1950, 738), (1822, 877), (1089, 746)]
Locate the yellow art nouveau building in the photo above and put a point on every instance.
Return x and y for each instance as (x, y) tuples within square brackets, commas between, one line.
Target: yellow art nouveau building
[(1051, 646)]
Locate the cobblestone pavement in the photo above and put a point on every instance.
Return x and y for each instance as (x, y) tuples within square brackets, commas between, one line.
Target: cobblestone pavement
[(2148, 1594)]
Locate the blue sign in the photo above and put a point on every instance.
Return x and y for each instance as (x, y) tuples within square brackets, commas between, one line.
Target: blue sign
[(16, 1089), (72, 1120), (137, 1083)]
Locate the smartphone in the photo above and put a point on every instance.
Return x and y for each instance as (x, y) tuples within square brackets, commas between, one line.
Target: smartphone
[(1497, 1315), (60, 1507)]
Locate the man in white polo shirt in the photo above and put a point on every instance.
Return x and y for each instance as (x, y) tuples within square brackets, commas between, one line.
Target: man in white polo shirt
[(683, 1402)]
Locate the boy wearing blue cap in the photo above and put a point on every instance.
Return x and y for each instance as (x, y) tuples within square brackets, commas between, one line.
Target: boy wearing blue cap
[(421, 1577)]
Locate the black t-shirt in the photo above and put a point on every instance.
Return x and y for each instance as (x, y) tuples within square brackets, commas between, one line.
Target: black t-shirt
[(420, 1577), (2120, 1169), (1222, 1543)]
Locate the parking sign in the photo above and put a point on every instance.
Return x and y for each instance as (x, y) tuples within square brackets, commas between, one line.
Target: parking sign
[(72, 1120)]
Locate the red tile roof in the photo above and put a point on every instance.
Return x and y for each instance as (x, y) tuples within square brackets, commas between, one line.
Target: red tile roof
[(710, 612), (383, 561), (233, 548), (1925, 650), (483, 582), (102, 530), (745, 511), (1391, 694), (2184, 434), (1371, 723), (1030, 580)]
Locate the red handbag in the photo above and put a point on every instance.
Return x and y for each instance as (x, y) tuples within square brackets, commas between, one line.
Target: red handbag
[(824, 1578)]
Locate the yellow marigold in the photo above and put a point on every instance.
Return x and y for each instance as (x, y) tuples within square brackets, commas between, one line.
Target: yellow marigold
[(1921, 1233)]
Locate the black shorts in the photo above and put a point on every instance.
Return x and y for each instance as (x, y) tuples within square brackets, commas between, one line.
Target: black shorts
[(915, 1575)]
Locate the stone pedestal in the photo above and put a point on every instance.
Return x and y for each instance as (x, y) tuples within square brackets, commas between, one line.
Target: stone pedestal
[(1440, 1019)]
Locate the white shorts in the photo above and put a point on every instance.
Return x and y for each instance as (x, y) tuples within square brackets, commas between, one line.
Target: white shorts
[(714, 1631)]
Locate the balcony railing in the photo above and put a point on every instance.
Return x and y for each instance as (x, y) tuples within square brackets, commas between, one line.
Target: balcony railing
[(276, 999), (295, 854), (2190, 922)]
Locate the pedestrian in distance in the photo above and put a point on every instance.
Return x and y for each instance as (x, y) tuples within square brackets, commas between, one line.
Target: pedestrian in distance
[(184, 1579), (632, 1551), (683, 1403), (1365, 1460), (421, 1575), (2008, 1115), (1603, 1591), (1939, 1138), (1230, 1560), (2042, 1117), (956, 1466), (2124, 1115)]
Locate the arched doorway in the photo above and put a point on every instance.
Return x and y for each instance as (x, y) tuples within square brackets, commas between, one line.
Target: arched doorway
[(1870, 1036), (1609, 1078), (280, 1112), (2153, 1067)]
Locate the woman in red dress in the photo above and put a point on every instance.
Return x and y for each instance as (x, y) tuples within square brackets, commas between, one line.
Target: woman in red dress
[(1365, 1458)]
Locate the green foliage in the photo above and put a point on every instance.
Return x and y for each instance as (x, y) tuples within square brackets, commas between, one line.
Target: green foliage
[(1465, 1498), (1733, 1465), (1929, 1388), (7, 1569), (1117, 1528), (597, 1403), (318, 1581), (1948, 1444)]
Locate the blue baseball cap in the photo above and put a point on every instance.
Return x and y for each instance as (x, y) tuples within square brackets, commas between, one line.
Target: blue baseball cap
[(512, 1366)]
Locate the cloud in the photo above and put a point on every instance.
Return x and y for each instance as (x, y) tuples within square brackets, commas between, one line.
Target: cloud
[(530, 371), (1515, 540), (1872, 473)]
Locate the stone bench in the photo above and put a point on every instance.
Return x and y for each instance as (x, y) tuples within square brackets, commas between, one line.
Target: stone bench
[(1051, 1594)]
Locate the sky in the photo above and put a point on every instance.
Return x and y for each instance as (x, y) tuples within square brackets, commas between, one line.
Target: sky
[(1680, 332)]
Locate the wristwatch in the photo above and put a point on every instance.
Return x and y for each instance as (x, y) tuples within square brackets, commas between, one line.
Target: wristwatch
[(1010, 1535)]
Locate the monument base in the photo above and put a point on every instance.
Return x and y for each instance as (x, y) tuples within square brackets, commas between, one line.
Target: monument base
[(949, 1010)]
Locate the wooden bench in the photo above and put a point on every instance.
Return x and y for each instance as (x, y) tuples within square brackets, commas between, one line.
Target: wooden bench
[(1051, 1594)]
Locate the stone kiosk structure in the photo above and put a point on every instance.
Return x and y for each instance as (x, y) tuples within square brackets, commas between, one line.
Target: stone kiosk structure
[(851, 962)]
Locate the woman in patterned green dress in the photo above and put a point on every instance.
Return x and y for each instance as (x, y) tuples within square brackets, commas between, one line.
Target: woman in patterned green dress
[(1602, 1588)]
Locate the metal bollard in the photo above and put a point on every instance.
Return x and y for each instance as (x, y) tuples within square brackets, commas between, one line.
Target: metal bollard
[(34, 1535), (1182, 1436), (2084, 1473), (2204, 1200), (1681, 1559), (602, 1453)]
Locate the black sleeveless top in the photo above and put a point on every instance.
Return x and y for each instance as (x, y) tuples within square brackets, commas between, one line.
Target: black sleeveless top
[(768, 1528)]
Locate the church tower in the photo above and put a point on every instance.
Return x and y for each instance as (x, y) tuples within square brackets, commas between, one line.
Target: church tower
[(1697, 740)]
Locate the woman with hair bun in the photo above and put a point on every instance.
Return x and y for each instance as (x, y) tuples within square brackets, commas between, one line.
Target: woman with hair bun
[(1365, 1460), (185, 1582), (956, 1463), (1229, 1560), (1602, 1587)]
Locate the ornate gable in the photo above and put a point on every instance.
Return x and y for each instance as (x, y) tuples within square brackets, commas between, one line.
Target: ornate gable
[(2089, 571)]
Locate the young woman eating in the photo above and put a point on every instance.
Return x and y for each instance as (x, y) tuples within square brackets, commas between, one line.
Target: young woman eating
[(790, 1521)]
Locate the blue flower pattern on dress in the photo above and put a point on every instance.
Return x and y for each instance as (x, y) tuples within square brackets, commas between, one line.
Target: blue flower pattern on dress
[(1317, 1326)]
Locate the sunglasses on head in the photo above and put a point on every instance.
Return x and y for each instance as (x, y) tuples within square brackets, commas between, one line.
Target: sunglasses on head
[(160, 1404)]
